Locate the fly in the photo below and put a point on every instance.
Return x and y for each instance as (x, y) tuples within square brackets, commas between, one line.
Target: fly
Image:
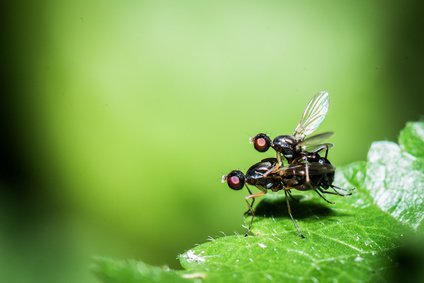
[(299, 175), (298, 144)]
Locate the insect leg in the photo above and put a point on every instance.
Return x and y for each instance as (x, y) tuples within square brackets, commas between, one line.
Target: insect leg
[(261, 193), (308, 179), (253, 201), (291, 216), (331, 193), (318, 192), (326, 151), (272, 170), (292, 197), (342, 189), (335, 192), (276, 167), (279, 159), (325, 146)]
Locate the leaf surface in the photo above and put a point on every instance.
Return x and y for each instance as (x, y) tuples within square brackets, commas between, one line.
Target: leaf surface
[(395, 176)]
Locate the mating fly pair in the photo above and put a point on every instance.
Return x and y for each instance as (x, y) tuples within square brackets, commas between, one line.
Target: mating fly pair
[(306, 169)]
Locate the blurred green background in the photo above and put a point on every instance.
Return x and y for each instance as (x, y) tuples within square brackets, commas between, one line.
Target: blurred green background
[(120, 117)]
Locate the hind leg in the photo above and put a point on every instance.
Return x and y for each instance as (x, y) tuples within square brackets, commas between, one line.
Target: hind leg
[(291, 216)]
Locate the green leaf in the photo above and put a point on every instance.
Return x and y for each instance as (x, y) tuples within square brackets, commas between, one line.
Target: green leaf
[(354, 240), (396, 182), (131, 271), (351, 240), (411, 138)]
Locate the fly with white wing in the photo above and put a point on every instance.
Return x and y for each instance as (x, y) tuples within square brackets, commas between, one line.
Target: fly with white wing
[(293, 146)]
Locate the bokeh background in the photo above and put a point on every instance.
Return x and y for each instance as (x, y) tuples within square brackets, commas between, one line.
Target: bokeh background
[(118, 118)]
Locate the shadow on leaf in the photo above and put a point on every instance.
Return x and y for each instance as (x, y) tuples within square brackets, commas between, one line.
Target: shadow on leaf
[(277, 207)]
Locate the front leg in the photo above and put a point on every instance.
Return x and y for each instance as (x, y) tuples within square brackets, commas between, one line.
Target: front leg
[(279, 159), (253, 201), (271, 171), (277, 166), (252, 196)]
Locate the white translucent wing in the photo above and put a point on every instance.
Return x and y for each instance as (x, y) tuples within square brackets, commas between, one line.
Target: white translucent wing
[(313, 115), (314, 140), (317, 147)]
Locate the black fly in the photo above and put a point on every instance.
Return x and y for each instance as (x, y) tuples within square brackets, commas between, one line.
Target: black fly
[(293, 146), (299, 175)]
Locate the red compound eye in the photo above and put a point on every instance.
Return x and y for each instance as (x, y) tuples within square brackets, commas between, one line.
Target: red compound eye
[(235, 180), (261, 142)]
